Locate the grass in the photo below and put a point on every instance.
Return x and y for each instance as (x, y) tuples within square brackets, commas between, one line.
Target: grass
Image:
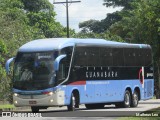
[(152, 112), (6, 106), (140, 118)]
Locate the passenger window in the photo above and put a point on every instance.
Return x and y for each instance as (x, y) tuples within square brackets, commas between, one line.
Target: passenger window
[(93, 56), (106, 57), (81, 56), (129, 57), (140, 57), (118, 57)]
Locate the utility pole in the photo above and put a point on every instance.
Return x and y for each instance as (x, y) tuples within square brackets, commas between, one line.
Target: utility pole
[(67, 14)]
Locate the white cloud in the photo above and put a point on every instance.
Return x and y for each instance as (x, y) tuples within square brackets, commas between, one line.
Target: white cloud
[(79, 12)]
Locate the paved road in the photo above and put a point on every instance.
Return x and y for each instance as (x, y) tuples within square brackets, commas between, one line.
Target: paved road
[(109, 111)]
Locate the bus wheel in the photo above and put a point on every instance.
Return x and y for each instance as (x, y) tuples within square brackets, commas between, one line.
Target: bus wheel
[(135, 100), (127, 99), (34, 109), (71, 106)]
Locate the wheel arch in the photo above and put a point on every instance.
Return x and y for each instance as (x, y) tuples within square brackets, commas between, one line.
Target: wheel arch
[(76, 93), (129, 89)]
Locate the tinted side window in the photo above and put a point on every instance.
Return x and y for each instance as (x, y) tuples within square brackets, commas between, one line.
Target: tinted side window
[(93, 56), (148, 57), (139, 61), (106, 57), (80, 56), (129, 56), (118, 57)]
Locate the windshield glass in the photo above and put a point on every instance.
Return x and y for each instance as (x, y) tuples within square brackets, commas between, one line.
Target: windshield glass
[(34, 71)]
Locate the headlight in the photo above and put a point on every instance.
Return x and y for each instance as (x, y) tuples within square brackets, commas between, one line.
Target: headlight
[(15, 102), (50, 93), (15, 94)]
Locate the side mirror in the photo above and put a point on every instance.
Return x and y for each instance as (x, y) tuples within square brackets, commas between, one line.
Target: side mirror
[(7, 65), (57, 61)]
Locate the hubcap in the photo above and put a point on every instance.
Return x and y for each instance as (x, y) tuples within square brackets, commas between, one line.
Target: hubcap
[(135, 98), (73, 102), (127, 99)]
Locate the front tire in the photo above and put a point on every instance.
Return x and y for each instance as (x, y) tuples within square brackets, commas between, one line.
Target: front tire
[(135, 99), (72, 105)]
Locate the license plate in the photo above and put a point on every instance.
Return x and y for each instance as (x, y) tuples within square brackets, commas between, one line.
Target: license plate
[(32, 102)]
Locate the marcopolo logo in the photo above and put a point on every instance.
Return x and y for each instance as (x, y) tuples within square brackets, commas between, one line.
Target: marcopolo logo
[(15, 114)]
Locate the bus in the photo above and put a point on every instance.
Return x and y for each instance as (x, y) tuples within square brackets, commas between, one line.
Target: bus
[(70, 72)]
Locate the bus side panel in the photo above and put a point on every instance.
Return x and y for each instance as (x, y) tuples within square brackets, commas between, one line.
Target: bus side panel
[(70, 88), (148, 89), (113, 92), (108, 90)]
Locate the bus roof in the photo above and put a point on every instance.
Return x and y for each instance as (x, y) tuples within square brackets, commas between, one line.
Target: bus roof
[(50, 44)]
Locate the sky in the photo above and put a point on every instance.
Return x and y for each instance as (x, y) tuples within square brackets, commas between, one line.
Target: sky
[(82, 11)]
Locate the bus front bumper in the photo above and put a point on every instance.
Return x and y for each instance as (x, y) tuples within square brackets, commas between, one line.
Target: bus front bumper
[(55, 99)]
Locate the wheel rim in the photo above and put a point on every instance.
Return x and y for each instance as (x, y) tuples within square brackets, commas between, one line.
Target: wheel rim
[(73, 102), (127, 99), (135, 99)]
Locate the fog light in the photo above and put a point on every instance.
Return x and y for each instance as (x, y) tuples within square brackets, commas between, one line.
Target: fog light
[(51, 100), (15, 102)]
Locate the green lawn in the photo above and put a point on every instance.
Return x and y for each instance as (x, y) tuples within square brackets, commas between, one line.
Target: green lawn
[(6, 106), (140, 118), (150, 112)]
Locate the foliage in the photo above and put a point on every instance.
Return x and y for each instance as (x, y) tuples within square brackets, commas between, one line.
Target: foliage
[(101, 26), (46, 23), (22, 21), (142, 25), (116, 3), (37, 5), (106, 35), (42, 16), (91, 26)]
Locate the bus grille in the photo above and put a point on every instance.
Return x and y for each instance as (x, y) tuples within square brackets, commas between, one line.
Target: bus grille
[(32, 96)]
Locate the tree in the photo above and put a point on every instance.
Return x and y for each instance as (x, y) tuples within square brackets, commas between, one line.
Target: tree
[(142, 25), (117, 3), (37, 5), (14, 32), (111, 18), (42, 16), (101, 26), (90, 26)]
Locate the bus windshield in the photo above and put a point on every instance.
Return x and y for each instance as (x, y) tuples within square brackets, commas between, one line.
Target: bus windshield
[(34, 71)]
